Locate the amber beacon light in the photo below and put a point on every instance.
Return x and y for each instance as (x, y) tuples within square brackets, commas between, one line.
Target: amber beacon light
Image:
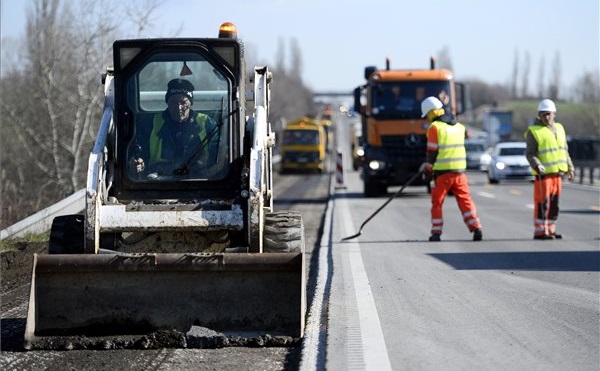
[(227, 31)]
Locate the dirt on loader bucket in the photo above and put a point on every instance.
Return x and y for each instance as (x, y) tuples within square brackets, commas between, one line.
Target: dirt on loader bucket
[(128, 294)]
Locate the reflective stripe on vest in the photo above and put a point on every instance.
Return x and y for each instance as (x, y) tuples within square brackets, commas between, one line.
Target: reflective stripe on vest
[(551, 150), (156, 142), (451, 147)]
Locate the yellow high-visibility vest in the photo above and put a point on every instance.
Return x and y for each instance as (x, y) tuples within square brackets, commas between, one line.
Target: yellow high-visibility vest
[(452, 154), (552, 149)]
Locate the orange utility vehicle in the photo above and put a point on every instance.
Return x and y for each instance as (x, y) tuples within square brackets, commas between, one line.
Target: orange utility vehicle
[(393, 130)]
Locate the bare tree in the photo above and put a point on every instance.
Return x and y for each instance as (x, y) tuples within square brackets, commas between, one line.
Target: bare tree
[(525, 76), (541, 84), (554, 86), (296, 60), (515, 75), (483, 93), (54, 105), (587, 87), (141, 16), (280, 56), (294, 99), (443, 58)]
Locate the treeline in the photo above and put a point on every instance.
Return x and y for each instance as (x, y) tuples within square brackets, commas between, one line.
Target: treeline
[(578, 104)]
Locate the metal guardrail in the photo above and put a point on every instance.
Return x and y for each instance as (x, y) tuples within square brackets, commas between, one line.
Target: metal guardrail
[(41, 221)]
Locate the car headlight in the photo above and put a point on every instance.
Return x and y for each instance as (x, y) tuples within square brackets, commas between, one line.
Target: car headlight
[(360, 152), (500, 165), (376, 165)]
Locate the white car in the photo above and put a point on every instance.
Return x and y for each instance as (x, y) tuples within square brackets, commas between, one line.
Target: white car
[(486, 158), (508, 161)]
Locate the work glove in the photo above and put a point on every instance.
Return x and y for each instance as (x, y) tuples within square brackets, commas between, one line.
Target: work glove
[(540, 169), (571, 175), (138, 164), (426, 168)]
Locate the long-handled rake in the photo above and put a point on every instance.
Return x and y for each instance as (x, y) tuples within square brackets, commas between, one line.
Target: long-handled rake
[(412, 179)]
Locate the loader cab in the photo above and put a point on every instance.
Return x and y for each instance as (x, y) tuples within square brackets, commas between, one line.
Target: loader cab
[(158, 154)]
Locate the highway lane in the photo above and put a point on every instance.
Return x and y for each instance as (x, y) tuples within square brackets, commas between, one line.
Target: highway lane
[(508, 302)]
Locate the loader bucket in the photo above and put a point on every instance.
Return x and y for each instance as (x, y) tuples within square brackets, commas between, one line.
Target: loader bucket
[(123, 294)]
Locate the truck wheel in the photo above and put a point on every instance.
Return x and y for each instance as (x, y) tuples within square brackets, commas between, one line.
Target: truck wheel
[(283, 232), (67, 235)]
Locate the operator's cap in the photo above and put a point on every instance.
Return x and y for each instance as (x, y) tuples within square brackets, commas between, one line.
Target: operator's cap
[(180, 86)]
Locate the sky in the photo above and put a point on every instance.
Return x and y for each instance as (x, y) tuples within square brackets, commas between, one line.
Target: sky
[(339, 38)]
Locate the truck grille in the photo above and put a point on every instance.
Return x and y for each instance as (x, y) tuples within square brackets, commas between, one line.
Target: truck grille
[(404, 146)]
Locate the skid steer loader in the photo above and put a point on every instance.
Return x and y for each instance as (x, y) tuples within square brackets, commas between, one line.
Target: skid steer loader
[(183, 236)]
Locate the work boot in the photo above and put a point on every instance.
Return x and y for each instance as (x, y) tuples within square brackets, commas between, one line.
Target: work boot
[(477, 235), (558, 236), (434, 238), (544, 237)]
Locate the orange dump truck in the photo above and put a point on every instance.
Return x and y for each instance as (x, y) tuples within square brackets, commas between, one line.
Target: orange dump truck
[(393, 130)]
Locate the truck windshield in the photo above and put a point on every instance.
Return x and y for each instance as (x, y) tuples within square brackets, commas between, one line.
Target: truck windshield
[(402, 99), (310, 137)]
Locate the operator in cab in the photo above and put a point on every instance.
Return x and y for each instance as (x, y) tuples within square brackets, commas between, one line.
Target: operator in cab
[(182, 142)]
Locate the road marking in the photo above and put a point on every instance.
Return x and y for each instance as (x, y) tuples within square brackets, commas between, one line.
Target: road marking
[(486, 194), (368, 337), (313, 344)]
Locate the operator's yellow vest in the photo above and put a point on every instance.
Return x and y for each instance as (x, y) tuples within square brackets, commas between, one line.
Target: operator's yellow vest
[(552, 150), (451, 147), (156, 142)]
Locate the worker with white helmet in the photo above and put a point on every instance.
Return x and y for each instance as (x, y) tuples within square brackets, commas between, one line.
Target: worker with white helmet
[(446, 164), (548, 155)]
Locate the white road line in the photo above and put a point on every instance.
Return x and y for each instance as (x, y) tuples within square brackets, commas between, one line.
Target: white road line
[(486, 194), (313, 344), (372, 342)]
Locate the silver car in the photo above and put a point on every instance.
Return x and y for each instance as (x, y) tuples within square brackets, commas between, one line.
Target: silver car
[(509, 162), (475, 149)]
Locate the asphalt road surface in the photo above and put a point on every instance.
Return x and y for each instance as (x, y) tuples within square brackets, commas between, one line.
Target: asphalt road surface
[(391, 300), (399, 302)]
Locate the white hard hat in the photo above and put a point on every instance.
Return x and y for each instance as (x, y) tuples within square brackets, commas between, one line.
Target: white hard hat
[(546, 105), (428, 104)]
